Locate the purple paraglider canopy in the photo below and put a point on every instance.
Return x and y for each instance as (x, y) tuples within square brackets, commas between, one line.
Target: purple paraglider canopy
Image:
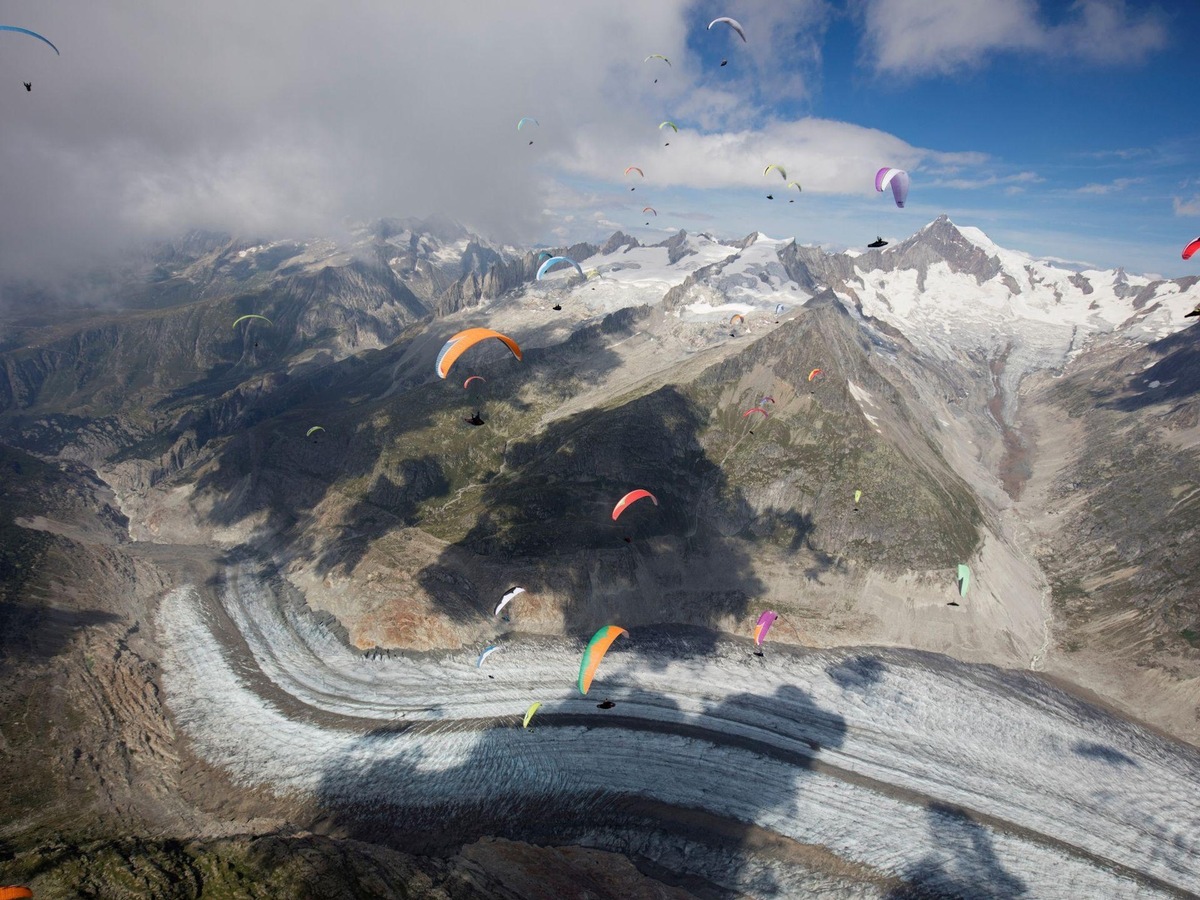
[(765, 621), (897, 178)]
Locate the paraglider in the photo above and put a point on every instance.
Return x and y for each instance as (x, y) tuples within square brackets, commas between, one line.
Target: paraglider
[(964, 579), (488, 651), (897, 178), (857, 497), (475, 419), (670, 125), (558, 307), (507, 598), (1191, 248), (478, 378), (531, 121), (629, 169), (724, 63), (594, 653), (629, 499), (782, 173), (31, 34), (765, 621), (780, 309), (736, 318), (28, 85), (648, 209), (757, 409), (767, 398), (815, 373), (314, 430), (251, 316), (796, 185), (533, 708), (877, 243), (732, 23), (463, 341), (1194, 312), (770, 196), (607, 704), (657, 56), (554, 261)]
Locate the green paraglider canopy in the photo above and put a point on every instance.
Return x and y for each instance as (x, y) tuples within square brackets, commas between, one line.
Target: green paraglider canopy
[(964, 579)]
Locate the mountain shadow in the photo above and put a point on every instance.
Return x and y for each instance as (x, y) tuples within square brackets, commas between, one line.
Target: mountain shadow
[(576, 776), (965, 869), (547, 523)]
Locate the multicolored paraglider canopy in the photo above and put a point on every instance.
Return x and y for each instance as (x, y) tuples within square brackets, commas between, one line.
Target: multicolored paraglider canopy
[(816, 373), (595, 651), (630, 498), (765, 621), (463, 341)]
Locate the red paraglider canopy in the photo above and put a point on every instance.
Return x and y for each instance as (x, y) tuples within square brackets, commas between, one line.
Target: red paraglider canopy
[(1191, 248), (630, 498)]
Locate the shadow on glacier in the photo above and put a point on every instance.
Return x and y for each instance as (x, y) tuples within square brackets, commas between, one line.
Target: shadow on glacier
[(857, 672), (1103, 753), (579, 775), (546, 525), (966, 867)]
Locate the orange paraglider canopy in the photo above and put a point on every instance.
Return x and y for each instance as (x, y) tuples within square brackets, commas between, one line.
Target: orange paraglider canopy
[(15, 893), (814, 373), (629, 498), (463, 341)]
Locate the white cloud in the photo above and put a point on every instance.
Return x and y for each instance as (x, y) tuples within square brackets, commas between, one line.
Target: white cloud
[(1117, 184), (982, 181), (1187, 207), (936, 37)]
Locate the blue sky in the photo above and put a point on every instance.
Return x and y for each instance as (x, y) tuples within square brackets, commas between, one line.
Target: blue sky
[(1065, 129), (1072, 124)]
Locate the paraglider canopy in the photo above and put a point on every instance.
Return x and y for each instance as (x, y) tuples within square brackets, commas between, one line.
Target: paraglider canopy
[(594, 652), (964, 579), (463, 341), (815, 373), (657, 56), (631, 498), (533, 708), (554, 261), (736, 318), (757, 409), (765, 621), (629, 169), (782, 173), (670, 125), (19, 30), (528, 120), (796, 185), (1191, 248), (488, 651), (478, 378), (252, 316), (898, 179), (648, 209), (314, 430), (507, 598), (732, 23), (15, 892)]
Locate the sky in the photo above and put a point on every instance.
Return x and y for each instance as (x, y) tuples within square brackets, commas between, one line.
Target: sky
[(1063, 129)]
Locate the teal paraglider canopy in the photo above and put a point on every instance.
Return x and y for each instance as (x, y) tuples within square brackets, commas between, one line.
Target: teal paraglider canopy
[(19, 30)]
